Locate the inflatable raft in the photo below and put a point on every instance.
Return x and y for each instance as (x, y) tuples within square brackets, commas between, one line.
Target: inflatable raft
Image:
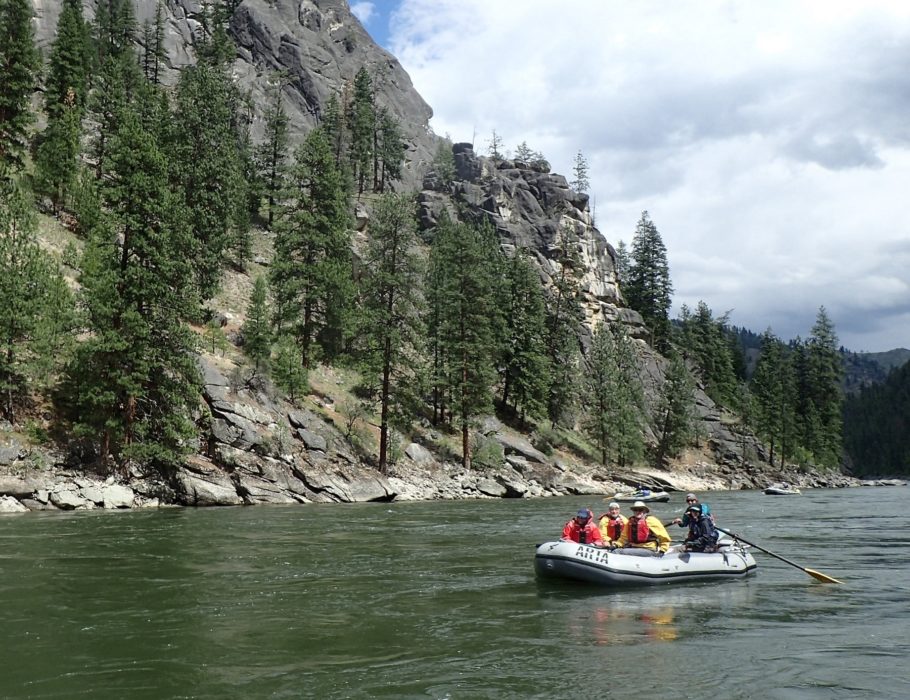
[(624, 567), (644, 496), (782, 490)]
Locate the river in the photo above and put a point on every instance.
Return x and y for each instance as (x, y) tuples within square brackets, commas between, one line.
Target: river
[(439, 600)]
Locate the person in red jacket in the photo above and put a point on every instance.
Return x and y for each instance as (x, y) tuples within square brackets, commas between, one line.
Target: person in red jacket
[(582, 529)]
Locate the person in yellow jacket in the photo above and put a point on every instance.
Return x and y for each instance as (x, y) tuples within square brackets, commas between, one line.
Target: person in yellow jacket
[(611, 524), (644, 531)]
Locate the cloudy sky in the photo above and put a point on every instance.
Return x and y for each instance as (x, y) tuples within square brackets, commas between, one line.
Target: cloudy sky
[(769, 140)]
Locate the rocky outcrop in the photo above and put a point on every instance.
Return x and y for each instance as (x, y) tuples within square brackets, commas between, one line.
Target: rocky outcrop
[(318, 44), (534, 209)]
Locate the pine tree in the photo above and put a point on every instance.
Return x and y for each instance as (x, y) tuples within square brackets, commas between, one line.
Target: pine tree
[(622, 261), (580, 182), (134, 380), (464, 321), (288, 369), (25, 276), (70, 62), (117, 79), (271, 158), (705, 342), (334, 123), (57, 161), (20, 65), (311, 272), (257, 335), (362, 121), (769, 391), (614, 397), (153, 51), (564, 316), (523, 361), (494, 147), (648, 289), (674, 417), (524, 153), (825, 372), (207, 167), (65, 99), (389, 329), (389, 150)]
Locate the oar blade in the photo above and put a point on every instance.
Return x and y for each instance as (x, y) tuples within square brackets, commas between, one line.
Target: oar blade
[(819, 576)]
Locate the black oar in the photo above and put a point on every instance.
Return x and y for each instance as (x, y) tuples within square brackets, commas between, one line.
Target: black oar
[(819, 576)]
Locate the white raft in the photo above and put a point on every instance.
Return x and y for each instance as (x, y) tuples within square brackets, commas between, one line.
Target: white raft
[(580, 562), (782, 490), (649, 497)]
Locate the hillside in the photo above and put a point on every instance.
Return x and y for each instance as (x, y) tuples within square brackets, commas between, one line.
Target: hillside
[(252, 443)]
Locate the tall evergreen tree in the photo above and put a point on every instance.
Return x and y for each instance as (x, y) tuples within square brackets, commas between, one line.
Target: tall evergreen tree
[(154, 52), (704, 340), (207, 167), (20, 65), (523, 361), (389, 331), (564, 316), (389, 150), (674, 417), (65, 99), (614, 397), (311, 272), (769, 391), (117, 79), (57, 161), (580, 182), (823, 385), (465, 325), (257, 335), (271, 154), (26, 275), (334, 123), (70, 62), (362, 121), (622, 262), (134, 380), (648, 289)]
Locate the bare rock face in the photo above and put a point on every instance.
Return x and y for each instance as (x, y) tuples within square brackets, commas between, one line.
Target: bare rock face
[(532, 208), (319, 44)]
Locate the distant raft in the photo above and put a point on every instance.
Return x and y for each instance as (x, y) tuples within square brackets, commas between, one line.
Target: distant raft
[(642, 495), (624, 567), (782, 490)]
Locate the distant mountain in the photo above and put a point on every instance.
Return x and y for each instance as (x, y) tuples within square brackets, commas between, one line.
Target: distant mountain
[(864, 369)]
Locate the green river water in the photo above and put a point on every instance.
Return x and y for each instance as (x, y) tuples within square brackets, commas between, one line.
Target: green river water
[(439, 600)]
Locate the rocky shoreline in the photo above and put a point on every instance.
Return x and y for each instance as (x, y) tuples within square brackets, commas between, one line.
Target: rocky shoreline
[(418, 476), (256, 449)]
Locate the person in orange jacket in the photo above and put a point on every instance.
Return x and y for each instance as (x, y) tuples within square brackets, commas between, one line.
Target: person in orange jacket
[(582, 529), (643, 531), (611, 523)]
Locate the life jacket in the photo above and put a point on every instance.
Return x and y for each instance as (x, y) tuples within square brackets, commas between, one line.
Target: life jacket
[(614, 528), (639, 532)]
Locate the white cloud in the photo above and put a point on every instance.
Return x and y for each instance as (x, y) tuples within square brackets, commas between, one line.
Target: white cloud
[(769, 141), (363, 11)]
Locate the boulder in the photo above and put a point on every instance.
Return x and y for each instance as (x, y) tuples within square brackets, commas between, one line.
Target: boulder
[(419, 454), (8, 504)]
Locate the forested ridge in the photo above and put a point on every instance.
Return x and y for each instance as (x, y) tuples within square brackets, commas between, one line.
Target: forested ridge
[(166, 190)]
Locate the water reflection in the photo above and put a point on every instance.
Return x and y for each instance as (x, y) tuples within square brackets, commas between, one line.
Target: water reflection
[(640, 615)]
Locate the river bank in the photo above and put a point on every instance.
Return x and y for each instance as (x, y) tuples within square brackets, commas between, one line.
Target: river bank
[(27, 485)]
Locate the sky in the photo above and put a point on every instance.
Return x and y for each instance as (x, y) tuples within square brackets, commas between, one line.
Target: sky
[(769, 140)]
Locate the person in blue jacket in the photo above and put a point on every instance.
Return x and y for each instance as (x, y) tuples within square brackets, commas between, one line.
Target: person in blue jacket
[(692, 500), (702, 535)]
